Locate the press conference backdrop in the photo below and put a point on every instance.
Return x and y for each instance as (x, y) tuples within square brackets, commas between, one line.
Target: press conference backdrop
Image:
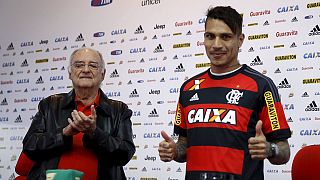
[(150, 48)]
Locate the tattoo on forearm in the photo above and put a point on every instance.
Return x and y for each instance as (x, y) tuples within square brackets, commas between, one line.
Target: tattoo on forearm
[(181, 150)]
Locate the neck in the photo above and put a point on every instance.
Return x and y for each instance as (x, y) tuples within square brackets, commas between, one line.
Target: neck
[(224, 69), (87, 95)]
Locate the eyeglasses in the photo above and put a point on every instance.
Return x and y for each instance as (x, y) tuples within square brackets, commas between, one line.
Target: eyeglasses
[(82, 65)]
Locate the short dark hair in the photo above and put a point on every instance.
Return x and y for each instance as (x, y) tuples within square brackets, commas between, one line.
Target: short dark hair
[(228, 15)]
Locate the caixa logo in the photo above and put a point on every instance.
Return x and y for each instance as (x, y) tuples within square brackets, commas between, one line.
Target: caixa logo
[(100, 2), (310, 132), (16, 138)]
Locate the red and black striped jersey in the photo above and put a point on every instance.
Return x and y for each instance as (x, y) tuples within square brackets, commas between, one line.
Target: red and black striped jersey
[(218, 115)]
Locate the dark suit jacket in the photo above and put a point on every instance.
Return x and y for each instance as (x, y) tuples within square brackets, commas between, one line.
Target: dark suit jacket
[(112, 140)]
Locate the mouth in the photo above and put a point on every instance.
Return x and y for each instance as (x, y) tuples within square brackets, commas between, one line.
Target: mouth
[(85, 77), (217, 54)]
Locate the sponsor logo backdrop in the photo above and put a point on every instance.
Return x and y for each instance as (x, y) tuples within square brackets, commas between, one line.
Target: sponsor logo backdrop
[(150, 48)]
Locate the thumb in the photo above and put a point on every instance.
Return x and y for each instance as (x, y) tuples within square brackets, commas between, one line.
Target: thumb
[(166, 137), (259, 129), (93, 111)]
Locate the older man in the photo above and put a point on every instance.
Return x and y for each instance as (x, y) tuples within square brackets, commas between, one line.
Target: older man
[(82, 129)]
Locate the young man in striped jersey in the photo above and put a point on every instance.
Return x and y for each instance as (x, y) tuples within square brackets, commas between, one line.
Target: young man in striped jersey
[(229, 118)]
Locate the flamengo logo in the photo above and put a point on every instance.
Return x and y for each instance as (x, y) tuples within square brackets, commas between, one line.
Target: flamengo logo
[(100, 2), (233, 96)]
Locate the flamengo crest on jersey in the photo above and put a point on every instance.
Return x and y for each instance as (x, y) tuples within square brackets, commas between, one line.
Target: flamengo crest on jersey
[(233, 96)]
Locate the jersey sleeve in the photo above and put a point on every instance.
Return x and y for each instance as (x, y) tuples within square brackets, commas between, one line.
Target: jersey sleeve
[(180, 126), (275, 125)]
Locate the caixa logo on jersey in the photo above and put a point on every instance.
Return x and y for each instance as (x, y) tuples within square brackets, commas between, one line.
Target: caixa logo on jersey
[(100, 2)]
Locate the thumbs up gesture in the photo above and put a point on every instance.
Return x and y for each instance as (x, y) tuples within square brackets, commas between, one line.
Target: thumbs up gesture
[(167, 148), (258, 145)]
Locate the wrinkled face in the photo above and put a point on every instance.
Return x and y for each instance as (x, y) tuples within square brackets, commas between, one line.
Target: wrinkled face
[(86, 69), (221, 44)]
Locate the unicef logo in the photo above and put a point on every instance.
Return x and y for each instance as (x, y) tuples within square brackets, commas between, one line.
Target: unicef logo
[(100, 2)]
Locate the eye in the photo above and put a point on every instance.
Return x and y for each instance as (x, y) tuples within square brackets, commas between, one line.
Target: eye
[(226, 36), (79, 65), (94, 66), (208, 35)]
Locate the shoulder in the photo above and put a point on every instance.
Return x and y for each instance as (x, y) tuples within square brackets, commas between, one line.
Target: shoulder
[(192, 79), (56, 99), (256, 75), (112, 104)]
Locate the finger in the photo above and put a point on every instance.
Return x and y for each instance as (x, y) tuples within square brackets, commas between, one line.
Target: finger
[(75, 115), (93, 112), (166, 137), (73, 125), (259, 129), (165, 145), (83, 116)]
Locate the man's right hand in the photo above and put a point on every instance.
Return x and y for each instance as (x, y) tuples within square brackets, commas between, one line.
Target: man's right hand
[(167, 148), (69, 130)]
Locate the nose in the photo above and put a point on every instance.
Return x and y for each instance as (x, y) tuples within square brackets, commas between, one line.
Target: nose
[(86, 68), (216, 43)]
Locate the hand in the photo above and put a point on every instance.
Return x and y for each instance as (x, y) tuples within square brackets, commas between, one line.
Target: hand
[(69, 130), (167, 148), (258, 145), (83, 123)]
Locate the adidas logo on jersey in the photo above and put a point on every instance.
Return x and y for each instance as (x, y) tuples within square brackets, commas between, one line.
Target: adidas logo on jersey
[(194, 97)]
